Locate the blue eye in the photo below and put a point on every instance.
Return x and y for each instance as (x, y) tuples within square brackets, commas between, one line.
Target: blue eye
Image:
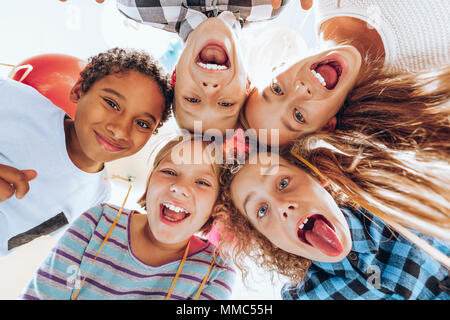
[(276, 89), (261, 211), (112, 104), (226, 104), (203, 183), (192, 100), (283, 183), (169, 172), (298, 116)]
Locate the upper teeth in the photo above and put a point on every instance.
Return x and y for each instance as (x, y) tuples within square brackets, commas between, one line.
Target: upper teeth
[(303, 224), (212, 66), (174, 208), (319, 76)]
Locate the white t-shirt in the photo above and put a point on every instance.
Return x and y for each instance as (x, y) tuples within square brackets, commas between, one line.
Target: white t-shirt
[(32, 137), (415, 33)]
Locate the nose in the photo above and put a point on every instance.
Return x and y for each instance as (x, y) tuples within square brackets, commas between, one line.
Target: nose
[(286, 208), (118, 129), (301, 87), (210, 85), (179, 189)]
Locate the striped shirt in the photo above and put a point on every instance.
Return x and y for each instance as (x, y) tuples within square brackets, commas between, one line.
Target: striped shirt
[(117, 272)]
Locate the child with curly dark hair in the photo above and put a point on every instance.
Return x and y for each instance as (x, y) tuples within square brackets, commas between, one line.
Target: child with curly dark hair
[(123, 97)]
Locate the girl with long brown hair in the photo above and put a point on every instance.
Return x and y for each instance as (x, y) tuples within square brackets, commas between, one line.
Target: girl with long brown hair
[(364, 45), (313, 225)]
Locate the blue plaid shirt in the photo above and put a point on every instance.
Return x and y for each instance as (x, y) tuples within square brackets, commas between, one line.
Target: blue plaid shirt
[(381, 265)]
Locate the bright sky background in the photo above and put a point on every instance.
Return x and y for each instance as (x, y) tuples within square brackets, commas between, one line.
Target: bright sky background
[(83, 28)]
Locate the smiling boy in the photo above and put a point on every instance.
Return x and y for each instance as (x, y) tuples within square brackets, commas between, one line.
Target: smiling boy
[(210, 80), (122, 98)]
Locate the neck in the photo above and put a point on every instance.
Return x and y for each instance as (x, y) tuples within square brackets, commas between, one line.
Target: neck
[(357, 33), (143, 241), (75, 152)]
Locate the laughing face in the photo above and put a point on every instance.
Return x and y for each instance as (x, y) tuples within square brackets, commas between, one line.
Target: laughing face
[(211, 82), (115, 117), (292, 210), (305, 97), (181, 195)]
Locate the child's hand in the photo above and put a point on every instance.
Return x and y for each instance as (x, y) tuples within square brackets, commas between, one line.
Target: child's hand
[(305, 4), (13, 180)]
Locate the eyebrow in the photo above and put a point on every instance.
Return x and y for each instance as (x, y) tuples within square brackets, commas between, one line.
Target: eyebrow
[(122, 97), (114, 92)]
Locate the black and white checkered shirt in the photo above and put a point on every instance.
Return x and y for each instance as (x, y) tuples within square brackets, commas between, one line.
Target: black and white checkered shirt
[(183, 16)]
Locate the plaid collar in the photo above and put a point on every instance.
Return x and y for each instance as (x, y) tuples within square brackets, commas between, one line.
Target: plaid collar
[(365, 242)]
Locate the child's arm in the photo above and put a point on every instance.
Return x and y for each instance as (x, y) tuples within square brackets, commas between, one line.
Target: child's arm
[(13, 180), (58, 276)]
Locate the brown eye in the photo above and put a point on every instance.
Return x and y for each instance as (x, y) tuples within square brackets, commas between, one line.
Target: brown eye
[(112, 104)]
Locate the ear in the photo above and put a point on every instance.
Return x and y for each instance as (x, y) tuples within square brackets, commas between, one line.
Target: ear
[(330, 125), (76, 92)]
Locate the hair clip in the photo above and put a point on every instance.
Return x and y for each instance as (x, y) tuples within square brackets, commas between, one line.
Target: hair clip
[(235, 169), (173, 77)]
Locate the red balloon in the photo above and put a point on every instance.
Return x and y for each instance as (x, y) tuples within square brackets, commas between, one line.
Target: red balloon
[(53, 75)]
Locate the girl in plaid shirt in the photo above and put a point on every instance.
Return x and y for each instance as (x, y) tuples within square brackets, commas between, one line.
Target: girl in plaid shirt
[(291, 219)]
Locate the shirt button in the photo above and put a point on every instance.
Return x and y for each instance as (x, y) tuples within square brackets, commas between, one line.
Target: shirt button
[(353, 256)]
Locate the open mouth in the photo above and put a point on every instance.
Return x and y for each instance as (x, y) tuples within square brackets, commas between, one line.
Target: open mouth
[(316, 231), (213, 57), (172, 213), (328, 72)]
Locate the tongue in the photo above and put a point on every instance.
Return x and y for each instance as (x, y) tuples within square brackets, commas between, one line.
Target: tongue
[(173, 215), (329, 74), (324, 238), (213, 54)]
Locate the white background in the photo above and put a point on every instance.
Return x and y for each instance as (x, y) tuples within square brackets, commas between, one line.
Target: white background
[(83, 28)]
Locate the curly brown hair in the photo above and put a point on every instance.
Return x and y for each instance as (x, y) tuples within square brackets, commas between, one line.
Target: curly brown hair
[(120, 60)]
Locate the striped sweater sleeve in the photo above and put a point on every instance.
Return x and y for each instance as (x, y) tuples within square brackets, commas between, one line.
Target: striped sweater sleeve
[(58, 276), (220, 284)]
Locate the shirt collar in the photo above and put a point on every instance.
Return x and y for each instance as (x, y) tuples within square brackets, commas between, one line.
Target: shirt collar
[(363, 242)]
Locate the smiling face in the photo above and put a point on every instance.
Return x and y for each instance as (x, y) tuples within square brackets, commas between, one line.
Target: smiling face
[(305, 97), (211, 81), (292, 210), (116, 116), (181, 194)]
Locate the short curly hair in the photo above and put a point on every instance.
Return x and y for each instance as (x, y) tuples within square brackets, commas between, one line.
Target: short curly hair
[(121, 60)]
